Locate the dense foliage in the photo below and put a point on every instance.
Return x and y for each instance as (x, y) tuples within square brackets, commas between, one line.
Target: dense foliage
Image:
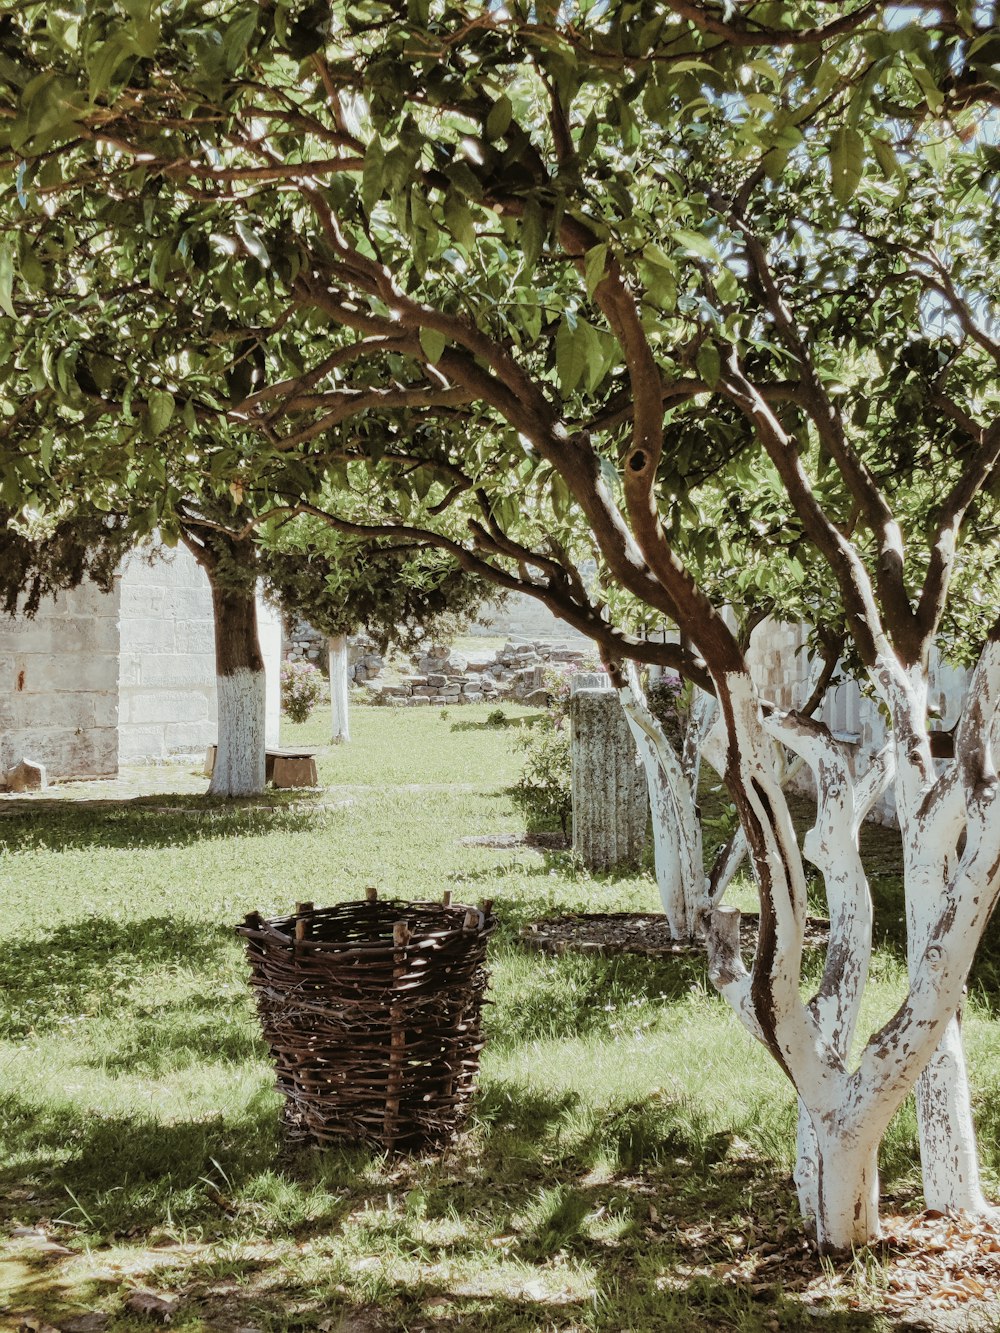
[(697, 299)]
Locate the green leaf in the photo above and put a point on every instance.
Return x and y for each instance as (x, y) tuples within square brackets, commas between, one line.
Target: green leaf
[(846, 163), (255, 246), (709, 363), (159, 410), (533, 231), (595, 266), (373, 179), (695, 242), (562, 500), (433, 344), (885, 156), (101, 65), (600, 356), (7, 279), (654, 255), (498, 121), (572, 346), (458, 216)]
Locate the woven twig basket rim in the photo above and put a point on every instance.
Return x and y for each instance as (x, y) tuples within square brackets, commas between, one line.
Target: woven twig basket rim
[(280, 930)]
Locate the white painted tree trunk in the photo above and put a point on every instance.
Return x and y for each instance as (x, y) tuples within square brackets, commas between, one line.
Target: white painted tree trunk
[(241, 755), (848, 1111), (677, 845), (847, 1189), (338, 655), (949, 1156)]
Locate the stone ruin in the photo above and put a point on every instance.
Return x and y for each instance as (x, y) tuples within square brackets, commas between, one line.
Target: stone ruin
[(443, 676), (439, 674)]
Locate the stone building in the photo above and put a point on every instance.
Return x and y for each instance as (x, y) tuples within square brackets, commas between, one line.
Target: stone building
[(97, 680)]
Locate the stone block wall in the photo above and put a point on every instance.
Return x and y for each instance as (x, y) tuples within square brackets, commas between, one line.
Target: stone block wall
[(168, 693), (167, 657), (59, 685), (303, 643)]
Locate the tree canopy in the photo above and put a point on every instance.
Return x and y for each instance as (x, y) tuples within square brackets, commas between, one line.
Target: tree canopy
[(660, 284)]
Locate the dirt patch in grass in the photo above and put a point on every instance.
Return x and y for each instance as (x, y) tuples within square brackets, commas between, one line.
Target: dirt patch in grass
[(612, 933), (504, 841)]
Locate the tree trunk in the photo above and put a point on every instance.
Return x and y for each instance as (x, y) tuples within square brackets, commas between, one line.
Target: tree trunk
[(805, 1173), (337, 646), (949, 1156), (846, 1189), (240, 758), (677, 846)]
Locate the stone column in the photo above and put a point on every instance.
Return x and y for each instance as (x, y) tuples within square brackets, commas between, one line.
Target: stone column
[(610, 797)]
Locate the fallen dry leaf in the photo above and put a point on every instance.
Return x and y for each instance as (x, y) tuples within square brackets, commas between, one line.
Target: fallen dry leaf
[(148, 1303)]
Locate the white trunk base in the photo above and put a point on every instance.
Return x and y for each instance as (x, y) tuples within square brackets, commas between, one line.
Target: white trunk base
[(948, 1153), (240, 759), (847, 1195), (337, 648)]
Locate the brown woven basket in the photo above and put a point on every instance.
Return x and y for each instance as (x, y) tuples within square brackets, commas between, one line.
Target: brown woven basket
[(372, 1013)]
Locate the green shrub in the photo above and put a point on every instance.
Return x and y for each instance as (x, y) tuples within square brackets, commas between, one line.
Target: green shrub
[(544, 789)]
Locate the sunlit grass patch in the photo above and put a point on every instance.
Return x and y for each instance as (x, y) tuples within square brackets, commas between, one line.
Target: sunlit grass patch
[(625, 1135)]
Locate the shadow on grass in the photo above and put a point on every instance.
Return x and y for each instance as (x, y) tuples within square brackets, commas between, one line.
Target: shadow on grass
[(508, 723), (579, 994), (636, 1276), (154, 821), (95, 963), (520, 1204), (118, 1172)]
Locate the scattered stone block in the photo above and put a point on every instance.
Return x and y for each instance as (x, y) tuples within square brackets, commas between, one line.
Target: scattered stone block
[(210, 754), (294, 770), (27, 776), (589, 680)]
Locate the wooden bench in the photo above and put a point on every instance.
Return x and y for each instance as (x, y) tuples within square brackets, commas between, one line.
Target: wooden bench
[(283, 768)]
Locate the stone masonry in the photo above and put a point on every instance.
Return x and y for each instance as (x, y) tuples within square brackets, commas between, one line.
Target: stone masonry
[(59, 685), (610, 796), (439, 674), (97, 679)]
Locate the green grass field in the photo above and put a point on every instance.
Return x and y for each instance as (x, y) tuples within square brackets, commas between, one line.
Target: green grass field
[(627, 1162)]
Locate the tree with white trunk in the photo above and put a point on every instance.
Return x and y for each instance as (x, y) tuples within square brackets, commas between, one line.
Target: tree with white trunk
[(399, 593), (230, 561), (550, 267), (338, 658)]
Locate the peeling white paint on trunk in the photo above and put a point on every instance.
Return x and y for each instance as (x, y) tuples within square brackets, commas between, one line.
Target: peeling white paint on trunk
[(240, 758), (930, 834), (338, 654), (847, 1189), (847, 1112), (677, 845), (949, 1156)]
